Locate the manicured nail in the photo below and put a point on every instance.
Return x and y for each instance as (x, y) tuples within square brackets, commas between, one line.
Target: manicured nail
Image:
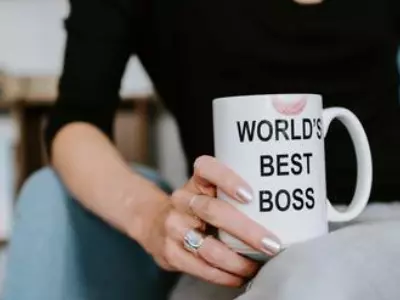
[(271, 246), (244, 195)]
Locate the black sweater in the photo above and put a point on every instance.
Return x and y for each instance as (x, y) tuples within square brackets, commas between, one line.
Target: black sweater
[(197, 50)]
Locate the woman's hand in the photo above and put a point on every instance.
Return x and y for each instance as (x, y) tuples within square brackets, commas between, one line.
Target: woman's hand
[(194, 205)]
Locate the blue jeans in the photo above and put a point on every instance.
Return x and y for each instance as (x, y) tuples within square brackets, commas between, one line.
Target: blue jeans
[(61, 251)]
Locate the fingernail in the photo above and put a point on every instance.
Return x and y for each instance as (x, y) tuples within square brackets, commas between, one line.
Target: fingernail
[(271, 246), (244, 195)]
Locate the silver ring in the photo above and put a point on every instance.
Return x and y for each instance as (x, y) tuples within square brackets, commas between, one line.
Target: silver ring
[(193, 241)]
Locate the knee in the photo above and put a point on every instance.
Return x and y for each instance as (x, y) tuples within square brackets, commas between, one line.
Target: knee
[(42, 195), (41, 182), (45, 184)]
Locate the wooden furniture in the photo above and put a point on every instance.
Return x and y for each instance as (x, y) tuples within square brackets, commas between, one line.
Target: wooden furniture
[(29, 110), (29, 106)]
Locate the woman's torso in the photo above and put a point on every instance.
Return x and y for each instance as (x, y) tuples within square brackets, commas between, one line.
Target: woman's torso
[(345, 50)]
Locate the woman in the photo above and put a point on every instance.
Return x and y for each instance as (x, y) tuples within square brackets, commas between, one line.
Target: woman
[(195, 51)]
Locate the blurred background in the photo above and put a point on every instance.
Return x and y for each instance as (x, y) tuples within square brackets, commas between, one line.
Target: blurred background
[(31, 51)]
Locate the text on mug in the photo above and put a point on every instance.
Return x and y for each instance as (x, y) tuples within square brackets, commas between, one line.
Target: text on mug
[(279, 129)]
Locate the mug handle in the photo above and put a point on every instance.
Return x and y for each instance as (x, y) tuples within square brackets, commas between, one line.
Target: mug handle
[(364, 163)]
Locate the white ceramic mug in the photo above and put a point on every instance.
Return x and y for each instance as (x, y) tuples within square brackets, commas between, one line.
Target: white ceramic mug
[(276, 144)]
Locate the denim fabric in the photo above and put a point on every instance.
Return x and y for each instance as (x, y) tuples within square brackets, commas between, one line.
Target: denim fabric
[(60, 251)]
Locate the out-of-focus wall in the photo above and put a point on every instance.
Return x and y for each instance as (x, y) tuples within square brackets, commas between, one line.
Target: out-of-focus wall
[(32, 41), (31, 35), (7, 179)]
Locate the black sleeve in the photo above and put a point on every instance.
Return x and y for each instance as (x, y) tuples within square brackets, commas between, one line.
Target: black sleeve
[(100, 39), (395, 8)]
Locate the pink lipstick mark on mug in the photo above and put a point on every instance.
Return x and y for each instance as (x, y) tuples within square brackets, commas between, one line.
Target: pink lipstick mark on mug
[(289, 109)]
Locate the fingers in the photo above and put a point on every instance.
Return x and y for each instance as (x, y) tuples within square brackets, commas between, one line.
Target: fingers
[(177, 225), (208, 172), (190, 264), (212, 251), (183, 200), (220, 214), (219, 255)]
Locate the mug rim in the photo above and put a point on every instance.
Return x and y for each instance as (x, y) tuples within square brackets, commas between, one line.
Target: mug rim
[(257, 96)]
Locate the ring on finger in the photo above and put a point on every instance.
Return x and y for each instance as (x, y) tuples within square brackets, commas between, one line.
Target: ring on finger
[(193, 241)]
